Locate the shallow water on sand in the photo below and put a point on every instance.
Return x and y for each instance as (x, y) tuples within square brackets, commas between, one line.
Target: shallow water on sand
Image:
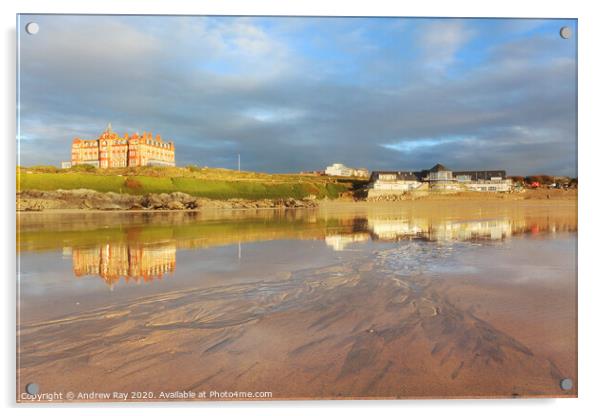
[(395, 301)]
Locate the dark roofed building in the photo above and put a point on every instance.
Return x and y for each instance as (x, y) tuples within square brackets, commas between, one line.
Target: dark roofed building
[(439, 173), (438, 168), (393, 181), (392, 175), (480, 175), (439, 178)]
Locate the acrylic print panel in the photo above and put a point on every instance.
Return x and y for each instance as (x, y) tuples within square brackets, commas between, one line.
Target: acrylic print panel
[(275, 208)]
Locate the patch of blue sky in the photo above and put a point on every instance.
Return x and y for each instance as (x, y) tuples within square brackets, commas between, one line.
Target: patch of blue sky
[(344, 51), (273, 115), (410, 145), (208, 144), (489, 35), (219, 66)]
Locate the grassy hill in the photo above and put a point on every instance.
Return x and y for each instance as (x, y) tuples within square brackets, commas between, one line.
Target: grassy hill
[(202, 182)]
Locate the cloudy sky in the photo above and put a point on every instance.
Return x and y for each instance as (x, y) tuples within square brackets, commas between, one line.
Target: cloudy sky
[(293, 94)]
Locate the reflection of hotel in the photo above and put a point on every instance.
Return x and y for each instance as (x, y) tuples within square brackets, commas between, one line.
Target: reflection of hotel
[(136, 262)]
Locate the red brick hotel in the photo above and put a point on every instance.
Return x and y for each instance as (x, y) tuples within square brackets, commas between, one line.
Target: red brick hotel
[(112, 151)]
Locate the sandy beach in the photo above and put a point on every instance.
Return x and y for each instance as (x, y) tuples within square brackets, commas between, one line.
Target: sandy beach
[(438, 314)]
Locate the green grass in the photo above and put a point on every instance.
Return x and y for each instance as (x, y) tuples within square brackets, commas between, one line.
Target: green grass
[(155, 185), (54, 181), (209, 183)]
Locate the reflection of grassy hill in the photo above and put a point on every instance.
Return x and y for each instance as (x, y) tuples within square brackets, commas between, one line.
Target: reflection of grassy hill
[(202, 182), (187, 230)]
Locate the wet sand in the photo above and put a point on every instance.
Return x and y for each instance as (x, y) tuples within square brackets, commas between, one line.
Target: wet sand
[(403, 318)]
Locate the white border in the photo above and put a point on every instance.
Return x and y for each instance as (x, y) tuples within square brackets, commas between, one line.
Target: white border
[(590, 24)]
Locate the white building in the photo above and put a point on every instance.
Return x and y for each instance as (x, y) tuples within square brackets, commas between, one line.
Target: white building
[(393, 184), (501, 185), (338, 169), (441, 179), (394, 181), (361, 173), (484, 180)]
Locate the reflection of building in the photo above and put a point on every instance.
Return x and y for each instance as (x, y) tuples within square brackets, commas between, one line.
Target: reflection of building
[(394, 229), (339, 242), (338, 169), (470, 230), (422, 228), (397, 229), (136, 262), (113, 151)]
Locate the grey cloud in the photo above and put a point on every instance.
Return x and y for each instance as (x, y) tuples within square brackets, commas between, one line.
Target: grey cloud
[(521, 111)]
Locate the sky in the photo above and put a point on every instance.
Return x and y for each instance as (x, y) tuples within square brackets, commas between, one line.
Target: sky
[(291, 94)]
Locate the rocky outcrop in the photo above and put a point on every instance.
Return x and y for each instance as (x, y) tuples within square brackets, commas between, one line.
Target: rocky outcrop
[(174, 201), (85, 199), (394, 197), (73, 199)]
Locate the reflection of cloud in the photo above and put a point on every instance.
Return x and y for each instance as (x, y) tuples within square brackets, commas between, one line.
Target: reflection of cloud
[(133, 262)]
